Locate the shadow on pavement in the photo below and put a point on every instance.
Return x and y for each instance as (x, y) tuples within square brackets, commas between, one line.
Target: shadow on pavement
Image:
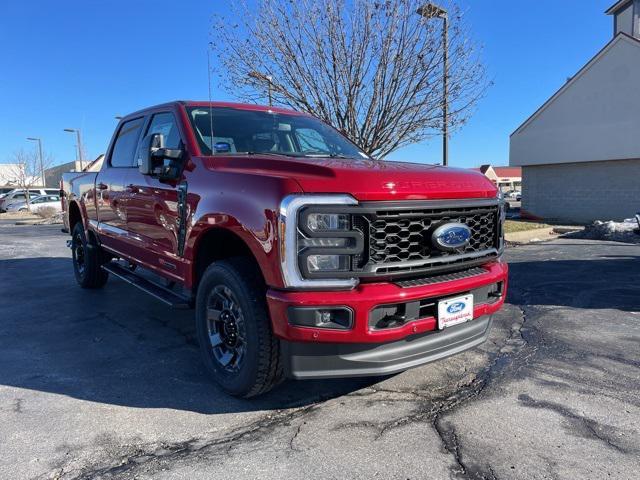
[(116, 346), (610, 281)]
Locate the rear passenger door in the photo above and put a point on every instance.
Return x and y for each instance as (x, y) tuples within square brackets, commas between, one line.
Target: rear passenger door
[(110, 185)]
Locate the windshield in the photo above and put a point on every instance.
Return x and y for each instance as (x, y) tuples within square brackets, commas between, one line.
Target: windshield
[(247, 131)]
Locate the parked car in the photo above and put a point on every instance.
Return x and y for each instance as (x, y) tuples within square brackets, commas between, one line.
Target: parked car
[(512, 194), (36, 203), (20, 195), (302, 256)]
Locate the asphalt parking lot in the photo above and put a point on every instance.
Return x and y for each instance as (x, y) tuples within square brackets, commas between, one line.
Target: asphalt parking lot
[(108, 384)]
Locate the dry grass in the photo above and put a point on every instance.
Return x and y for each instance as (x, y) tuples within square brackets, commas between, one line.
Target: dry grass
[(512, 226), (18, 215)]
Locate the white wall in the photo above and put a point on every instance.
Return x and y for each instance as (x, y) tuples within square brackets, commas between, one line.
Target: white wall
[(594, 117)]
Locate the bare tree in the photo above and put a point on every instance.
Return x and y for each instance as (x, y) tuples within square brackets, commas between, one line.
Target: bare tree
[(371, 68), (26, 171)]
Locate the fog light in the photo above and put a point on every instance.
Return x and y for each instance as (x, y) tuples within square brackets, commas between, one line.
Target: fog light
[(328, 263), (340, 318)]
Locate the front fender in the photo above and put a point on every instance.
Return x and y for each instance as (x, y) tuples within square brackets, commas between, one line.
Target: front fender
[(245, 204)]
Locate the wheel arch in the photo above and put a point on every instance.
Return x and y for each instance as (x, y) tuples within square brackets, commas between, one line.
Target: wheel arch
[(219, 243), (75, 215)]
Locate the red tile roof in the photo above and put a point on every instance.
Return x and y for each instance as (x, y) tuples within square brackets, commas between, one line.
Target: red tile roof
[(500, 171), (508, 171)]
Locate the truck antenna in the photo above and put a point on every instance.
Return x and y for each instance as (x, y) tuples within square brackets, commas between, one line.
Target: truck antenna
[(210, 106)]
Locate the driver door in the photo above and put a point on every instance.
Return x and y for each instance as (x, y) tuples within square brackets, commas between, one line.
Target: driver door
[(152, 207)]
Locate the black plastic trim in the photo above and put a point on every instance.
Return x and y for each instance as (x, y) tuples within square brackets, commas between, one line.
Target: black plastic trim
[(292, 312), (307, 360)]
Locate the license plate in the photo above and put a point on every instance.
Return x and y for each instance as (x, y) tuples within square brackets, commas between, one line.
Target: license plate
[(453, 311)]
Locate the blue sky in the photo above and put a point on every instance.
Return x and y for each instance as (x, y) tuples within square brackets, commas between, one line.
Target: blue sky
[(78, 64)]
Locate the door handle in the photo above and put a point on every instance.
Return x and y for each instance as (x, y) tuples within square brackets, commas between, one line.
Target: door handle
[(131, 189), (102, 186)]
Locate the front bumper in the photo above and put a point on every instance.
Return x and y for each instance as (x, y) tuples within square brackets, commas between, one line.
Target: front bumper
[(312, 352), (366, 297), (305, 360)]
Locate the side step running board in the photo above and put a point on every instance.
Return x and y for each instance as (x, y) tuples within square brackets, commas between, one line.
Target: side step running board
[(169, 297)]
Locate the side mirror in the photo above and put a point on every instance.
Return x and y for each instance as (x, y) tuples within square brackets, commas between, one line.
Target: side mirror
[(150, 144), (153, 156)]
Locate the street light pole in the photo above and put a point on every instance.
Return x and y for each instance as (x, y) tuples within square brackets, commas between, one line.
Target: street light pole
[(79, 140), (445, 91), (262, 77), (270, 79), (431, 10), (34, 139)]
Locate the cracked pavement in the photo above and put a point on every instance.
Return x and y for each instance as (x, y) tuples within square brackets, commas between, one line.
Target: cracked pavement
[(108, 384)]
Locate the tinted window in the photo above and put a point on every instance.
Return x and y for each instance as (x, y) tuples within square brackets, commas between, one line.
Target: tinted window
[(165, 124), (126, 142)]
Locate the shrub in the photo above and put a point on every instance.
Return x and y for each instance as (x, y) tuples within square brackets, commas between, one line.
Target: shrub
[(46, 212)]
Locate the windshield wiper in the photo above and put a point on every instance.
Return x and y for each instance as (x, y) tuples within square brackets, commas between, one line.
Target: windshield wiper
[(327, 155), (281, 154)]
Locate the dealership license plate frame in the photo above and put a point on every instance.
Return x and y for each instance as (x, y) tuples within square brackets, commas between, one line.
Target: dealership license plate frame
[(448, 319)]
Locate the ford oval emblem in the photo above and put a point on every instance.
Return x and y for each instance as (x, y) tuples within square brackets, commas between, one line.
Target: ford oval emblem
[(456, 307), (451, 236)]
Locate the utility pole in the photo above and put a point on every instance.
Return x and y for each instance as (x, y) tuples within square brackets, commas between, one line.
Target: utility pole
[(79, 160), (431, 10), (40, 158), (262, 77)]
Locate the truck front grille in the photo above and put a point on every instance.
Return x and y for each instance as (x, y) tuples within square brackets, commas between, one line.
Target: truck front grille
[(398, 240)]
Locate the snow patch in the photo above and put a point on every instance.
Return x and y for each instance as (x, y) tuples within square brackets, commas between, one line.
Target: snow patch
[(626, 231)]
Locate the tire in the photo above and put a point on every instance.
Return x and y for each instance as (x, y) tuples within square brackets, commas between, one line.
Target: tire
[(233, 327), (87, 260)]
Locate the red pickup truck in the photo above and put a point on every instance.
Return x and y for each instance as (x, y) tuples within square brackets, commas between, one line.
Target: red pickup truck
[(302, 256)]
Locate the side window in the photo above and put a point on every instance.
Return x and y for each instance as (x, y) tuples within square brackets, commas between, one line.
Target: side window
[(19, 196), (310, 140), (126, 142), (165, 124)]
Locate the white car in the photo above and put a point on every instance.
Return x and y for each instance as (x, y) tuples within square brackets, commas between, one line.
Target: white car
[(37, 203), (17, 195)]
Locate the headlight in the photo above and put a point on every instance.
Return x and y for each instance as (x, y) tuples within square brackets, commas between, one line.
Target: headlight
[(328, 222), (317, 242)]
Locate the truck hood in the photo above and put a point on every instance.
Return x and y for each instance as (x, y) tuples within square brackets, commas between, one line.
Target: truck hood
[(365, 179)]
